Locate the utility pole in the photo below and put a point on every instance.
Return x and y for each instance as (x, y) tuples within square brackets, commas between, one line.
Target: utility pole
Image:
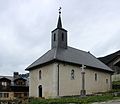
[(83, 91)]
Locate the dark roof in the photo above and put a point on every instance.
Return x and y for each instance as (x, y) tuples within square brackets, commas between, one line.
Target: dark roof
[(12, 78), (70, 55), (7, 77), (107, 59)]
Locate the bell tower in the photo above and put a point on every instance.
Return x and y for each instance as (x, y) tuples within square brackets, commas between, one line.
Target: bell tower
[(59, 35)]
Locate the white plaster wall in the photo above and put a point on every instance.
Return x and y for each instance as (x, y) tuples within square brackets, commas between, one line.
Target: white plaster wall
[(73, 87), (99, 85), (48, 81), (67, 87)]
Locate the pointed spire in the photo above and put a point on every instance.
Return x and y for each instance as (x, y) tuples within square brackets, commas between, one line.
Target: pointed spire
[(59, 25)]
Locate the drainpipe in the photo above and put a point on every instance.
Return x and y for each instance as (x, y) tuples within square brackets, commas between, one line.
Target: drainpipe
[(111, 82)]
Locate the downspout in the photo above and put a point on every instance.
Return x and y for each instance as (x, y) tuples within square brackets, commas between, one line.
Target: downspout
[(110, 81), (58, 81)]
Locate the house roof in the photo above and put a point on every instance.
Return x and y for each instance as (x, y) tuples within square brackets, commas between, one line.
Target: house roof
[(11, 78), (70, 55), (107, 59), (7, 77)]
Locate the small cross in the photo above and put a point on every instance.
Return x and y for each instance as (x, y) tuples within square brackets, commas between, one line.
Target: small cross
[(60, 10), (83, 68)]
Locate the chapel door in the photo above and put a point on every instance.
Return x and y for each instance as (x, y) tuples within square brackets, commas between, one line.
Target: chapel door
[(40, 91)]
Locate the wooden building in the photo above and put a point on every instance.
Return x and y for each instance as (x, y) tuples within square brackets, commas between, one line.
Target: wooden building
[(12, 87), (113, 61)]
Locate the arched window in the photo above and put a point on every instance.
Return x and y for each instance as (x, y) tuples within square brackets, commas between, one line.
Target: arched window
[(54, 37), (62, 37), (107, 81), (95, 76), (72, 74), (40, 74)]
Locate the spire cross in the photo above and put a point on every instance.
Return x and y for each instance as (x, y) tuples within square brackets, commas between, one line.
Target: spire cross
[(60, 10)]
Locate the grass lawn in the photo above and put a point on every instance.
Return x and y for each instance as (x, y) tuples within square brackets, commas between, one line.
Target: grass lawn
[(74, 100)]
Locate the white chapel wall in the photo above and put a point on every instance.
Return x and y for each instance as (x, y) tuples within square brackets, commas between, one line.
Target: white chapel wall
[(67, 87), (47, 82), (73, 87)]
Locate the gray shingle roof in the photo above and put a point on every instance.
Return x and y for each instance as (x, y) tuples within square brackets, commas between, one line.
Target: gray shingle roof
[(107, 59), (70, 55)]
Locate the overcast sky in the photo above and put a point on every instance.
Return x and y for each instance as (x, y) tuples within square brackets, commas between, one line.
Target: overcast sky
[(26, 25)]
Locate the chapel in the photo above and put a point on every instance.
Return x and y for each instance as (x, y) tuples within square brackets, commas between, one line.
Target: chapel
[(67, 71)]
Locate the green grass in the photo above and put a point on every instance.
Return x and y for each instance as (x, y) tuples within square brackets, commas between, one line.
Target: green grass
[(76, 100), (116, 83)]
